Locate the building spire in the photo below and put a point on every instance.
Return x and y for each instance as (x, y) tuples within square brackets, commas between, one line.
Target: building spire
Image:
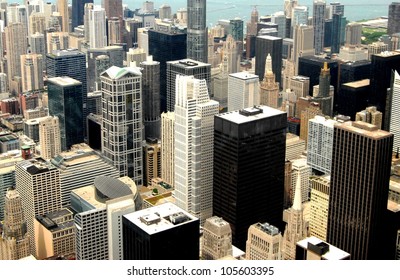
[(297, 204), (268, 64)]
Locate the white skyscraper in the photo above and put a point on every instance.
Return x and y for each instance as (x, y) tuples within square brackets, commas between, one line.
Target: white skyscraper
[(243, 91), (122, 122), (395, 109), (194, 145), (97, 27)]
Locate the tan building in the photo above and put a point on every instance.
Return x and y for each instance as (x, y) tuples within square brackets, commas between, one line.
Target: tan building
[(217, 239), (37, 23), (54, 234), (16, 45), (295, 146), (288, 193), (152, 160), (306, 115), (49, 137), (57, 41), (264, 242), (319, 205), (301, 168), (269, 88), (62, 8), (370, 115), (300, 85), (32, 72), (39, 112), (168, 147)]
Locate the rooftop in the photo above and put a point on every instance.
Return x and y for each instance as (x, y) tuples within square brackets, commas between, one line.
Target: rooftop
[(244, 75), (188, 63), (358, 84), (64, 81), (36, 166), (240, 118), (363, 128), (333, 252)]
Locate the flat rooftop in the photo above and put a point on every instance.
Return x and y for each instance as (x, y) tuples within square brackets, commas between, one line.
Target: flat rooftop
[(188, 63), (160, 218), (358, 84), (64, 81), (244, 76), (334, 253), (254, 114), (363, 128)]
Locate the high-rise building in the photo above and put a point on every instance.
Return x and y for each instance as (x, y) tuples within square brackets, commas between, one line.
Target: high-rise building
[(114, 31), (57, 41), (187, 67), (279, 19), (308, 113), (168, 147), (299, 16), (353, 34), (194, 127), (255, 135), (395, 107), (151, 160), (361, 161), (99, 212), (132, 25), (163, 232), (49, 137), (295, 146), (269, 89), (197, 33), (16, 45), (370, 115), (216, 240), (302, 169), (300, 85), (264, 242), (165, 11), (66, 102), (97, 26), (269, 45), (303, 44), (123, 146), (15, 240), (113, 8), (38, 182), (338, 30), (323, 93), (78, 11), (319, 206), (319, 9), (37, 43), (135, 56), (37, 23), (62, 8), (244, 91), (353, 97), (393, 18), (231, 49), (32, 72), (151, 97), (313, 248), (377, 48)]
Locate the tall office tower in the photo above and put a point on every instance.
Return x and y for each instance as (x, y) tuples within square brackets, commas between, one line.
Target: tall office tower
[(151, 160), (395, 125), (264, 242), (86, 16), (244, 91), (313, 248), (279, 19), (114, 28), (216, 242), (220, 85), (113, 8), (15, 241), (97, 27), (57, 41), (143, 39), (393, 18), (251, 26), (302, 169), (194, 127), (151, 227), (17, 13), (231, 50), (182, 16), (71, 63), (319, 143), (300, 16), (353, 97), (269, 89), (335, 8), (123, 146), (37, 43), (236, 30), (353, 34), (37, 23), (303, 43), (338, 29), (135, 56), (308, 113), (78, 167), (3, 83), (168, 147), (31, 129), (165, 11), (151, 97), (99, 212), (115, 56), (295, 146), (55, 234), (187, 67), (319, 205), (325, 93), (319, 9), (62, 8), (260, 134), (38, 182), (49, 137), (358, 177), (197, 31), (269, 45), (288, 192), (66, 102), (300, 85), (370, 115), (296, 228), (166, 45), (377, 48), (32, 72), (78, 11), (288, 7), (16, 45)]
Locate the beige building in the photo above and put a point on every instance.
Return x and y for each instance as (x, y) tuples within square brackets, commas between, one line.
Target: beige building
[(151, 160), (32, 72), (301, 168), (264, 242), (269, 88), (168, 147), (217, 239), (62, 8), (300, 85), (49, 137), (57, 41), (295, 146), (54, 234), (287, 199), (370, 115), (16, 45), (38, 112), (37, 23), (319, 204), (306, 115)]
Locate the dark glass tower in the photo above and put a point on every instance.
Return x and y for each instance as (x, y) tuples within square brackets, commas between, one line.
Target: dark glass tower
[(78, 10), (361, 162), (65, 102), (337, 32), (319, 8), (197, 34), (249, 169), (166, 46), (269, 45), (394, 18)]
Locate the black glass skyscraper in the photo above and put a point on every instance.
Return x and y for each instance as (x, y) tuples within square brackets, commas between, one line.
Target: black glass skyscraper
[(269, 45), (78, 10), (249, 169), (197, 34)]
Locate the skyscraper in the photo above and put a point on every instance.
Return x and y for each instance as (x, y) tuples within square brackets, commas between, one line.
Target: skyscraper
[(217, 239), (264, 242), (393, 18), (197, 31), (78, 11), (97, 26), (49, 137), (168, 147), (395, 125), (319, 206), (361, 161), (319, 8), (269, 89), (303, 44), (32, 72), (37, 43), (151, 160), (151, 97), (37, 23), (244, 91), (62, 8), (122, 136), (269, 45), (16, 45), (243, 141), (323, 94), (113, 8), (194, 126), (66, 102)]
